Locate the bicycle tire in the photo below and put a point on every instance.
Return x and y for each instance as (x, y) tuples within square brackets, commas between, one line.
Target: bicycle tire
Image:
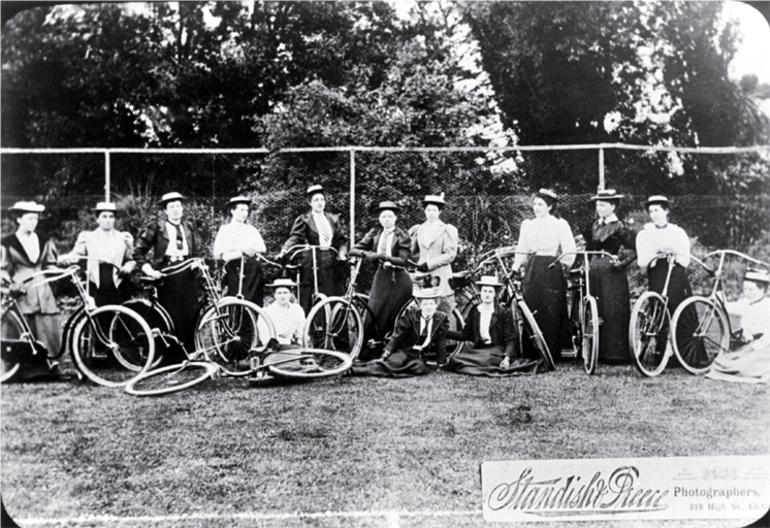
[(11, 330), (536, 335), (310, 363), (171, 378), (696, 349), (112, 345), (456, 323), (334, 324), (230, 331), (649, 321), (590, 335), (158, 319), (575, 325)]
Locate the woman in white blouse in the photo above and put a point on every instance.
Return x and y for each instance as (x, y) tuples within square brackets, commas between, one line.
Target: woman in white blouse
[(238, 240), (751, 363), (541, 240), (287, 317)]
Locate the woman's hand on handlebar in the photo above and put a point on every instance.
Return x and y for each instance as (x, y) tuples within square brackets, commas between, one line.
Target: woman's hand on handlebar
[(151, 272)]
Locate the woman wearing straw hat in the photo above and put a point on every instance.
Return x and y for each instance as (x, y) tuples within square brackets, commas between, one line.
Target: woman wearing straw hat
[(319, 228), (541, 240), (609, 283), (491, 329), (751, 363), (109, 256), (238, 242), (22, 255), (287, 317), (387, 246), (172, 241), (434, 247), (416, 331)]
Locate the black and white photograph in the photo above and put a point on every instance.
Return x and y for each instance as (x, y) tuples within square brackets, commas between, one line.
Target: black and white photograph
[(388, 263)]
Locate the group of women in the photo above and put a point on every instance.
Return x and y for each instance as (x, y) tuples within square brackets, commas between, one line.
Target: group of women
[(432, 245)]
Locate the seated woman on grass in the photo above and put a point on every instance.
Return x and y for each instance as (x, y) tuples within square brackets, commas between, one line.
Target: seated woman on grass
[(492, 333), (287, 317), (750, 363), (416, 331)]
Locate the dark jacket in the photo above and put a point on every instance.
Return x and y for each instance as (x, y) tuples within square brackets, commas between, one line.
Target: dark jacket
[(304, 231), (501, 329), (154, 238), (407, 333), (399, 249)]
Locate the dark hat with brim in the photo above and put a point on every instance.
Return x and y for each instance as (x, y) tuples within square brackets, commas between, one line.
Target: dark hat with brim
[(240, 200), (657, 199), (387, 206), (435, 199), (27, 207), (314, 189), (549, 195), (171, 197), (757, 275), (488, 280), (105, 207), (426, 293), (607, 195)]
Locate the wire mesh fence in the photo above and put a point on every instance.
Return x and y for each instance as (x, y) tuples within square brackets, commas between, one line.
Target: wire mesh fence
[(722, 199)]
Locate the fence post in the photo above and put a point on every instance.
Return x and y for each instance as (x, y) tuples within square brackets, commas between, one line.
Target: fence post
[(106, 175), (601, 169), (352, 197)]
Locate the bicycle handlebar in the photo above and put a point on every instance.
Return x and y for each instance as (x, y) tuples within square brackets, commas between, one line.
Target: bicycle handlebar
[(585, 254), (737, 254), (295, 250)]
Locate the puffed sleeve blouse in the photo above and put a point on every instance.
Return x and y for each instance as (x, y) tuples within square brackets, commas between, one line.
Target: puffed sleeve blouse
[(545, 236)]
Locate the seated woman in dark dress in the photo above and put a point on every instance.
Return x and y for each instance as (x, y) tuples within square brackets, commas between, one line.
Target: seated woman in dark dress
[(416, 331), (492, 333)]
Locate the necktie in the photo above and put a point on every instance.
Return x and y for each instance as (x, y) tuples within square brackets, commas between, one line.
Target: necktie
[(383, 248), (179, 236), (324, 230)]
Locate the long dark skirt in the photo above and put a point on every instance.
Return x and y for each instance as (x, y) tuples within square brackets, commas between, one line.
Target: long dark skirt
[(391, 290), (610, 287), (485, 361), (107, 292), (179, 296), (679, 289), (330, 279), (397, 365), (253, 288), (545, 292)]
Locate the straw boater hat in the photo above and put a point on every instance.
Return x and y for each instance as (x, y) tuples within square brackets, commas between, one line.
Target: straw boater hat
[(240, 200), (657, 199), (488, 280), (757, 275), (548, 195), (313, 189), (387, 206), (28, 207), (171, 197), (282, 283), (436, 199), (607, 195), (105, 207), (426, 293)]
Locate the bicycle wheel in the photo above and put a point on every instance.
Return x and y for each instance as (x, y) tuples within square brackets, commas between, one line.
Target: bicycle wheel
[(229, 331), (158, 320), (308, 363), (334, 324), (535, 335), (11, 330), (590, 334), (172, 378), (575, 324), (649, 333), (112, 345), (701, 332)]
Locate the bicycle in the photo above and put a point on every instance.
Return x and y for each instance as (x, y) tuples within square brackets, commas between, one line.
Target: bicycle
[(511, 294), (585, 323), (650, 325), (697, 347), (292, 253), (109, 345), (227, 325)]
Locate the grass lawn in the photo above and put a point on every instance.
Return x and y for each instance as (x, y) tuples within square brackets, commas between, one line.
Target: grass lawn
[(227, 454)]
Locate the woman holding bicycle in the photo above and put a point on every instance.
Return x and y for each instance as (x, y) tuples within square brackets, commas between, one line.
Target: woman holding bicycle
[(322, 229), (239, 243), (171, 242), (388, 246), (22, 255), (434, 247), (491, 329), (417, 330), (751, 363), (609, 283), (545, 287)]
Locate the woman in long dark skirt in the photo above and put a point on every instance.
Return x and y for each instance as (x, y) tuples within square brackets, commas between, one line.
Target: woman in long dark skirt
[(387, 245), (541, 240), (492, 334), (660, 237), (609, 282)]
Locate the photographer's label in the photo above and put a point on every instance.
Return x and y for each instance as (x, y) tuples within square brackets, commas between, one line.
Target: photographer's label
[(626, 488)]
